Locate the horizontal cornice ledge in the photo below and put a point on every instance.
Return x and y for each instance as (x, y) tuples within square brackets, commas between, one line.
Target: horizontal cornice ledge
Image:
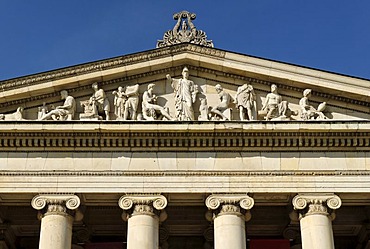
[(188, 173)]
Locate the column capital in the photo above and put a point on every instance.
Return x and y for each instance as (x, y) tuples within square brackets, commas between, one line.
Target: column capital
[(316, 203), (143, 204), (159, 202), (214, 201), (56, 203), (226, 204)]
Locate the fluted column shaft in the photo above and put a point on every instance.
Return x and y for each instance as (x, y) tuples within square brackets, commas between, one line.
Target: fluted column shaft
[(143, 214), (316, 219), (57, 218), (229, 220)]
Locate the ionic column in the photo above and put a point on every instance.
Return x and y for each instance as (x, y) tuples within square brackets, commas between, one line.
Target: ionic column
[(57, 216), (230, 212), (143, 213), (315, 219)]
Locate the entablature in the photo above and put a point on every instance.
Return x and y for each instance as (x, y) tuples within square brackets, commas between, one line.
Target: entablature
[(283, 136)]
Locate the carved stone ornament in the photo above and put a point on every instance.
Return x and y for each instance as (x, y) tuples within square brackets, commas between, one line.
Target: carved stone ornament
[(143, 204), (184, 31), (214, 201), (312, 204), (230, 204), (56, 204)]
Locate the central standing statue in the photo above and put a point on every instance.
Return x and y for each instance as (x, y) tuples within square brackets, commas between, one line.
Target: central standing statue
[(185, 95)]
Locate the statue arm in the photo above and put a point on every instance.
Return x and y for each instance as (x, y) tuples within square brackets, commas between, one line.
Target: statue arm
[(194, 91), (169, 77), (68, 104), (266, 102)]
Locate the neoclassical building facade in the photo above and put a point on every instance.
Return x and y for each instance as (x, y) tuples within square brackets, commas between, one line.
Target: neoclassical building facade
[(185, 146)]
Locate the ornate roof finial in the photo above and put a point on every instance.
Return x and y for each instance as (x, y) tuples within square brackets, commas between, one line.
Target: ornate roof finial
[(184, 31)]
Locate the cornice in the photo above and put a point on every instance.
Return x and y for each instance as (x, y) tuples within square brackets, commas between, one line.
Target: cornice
[(188, 173), (108, 64), (185, 136)]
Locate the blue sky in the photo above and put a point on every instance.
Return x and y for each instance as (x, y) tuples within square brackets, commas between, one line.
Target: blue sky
[(42, 35)]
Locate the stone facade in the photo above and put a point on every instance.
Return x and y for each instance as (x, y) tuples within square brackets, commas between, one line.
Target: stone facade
[(226, 149)]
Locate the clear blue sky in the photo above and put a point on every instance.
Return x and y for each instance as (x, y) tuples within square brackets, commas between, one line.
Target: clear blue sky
[(41, 35)]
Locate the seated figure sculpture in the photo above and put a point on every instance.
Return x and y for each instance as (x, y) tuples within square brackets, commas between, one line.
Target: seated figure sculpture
[(150, 108), (308, 112), (274, 107), (64, 112), (245, 101), (224, 104), (100, 101)]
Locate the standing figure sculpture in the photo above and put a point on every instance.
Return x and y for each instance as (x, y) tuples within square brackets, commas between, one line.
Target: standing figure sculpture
[(132, 102), (308, 111), (203, 110), (150, 108), (185, 95), (64, 112), (100, 100), (224, 104), (274, 107), (120, 99), (245, 101)]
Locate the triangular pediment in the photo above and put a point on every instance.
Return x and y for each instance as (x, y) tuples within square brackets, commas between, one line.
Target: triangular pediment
[(346, 97)]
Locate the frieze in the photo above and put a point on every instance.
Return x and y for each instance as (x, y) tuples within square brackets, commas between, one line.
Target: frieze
[(220, 138)]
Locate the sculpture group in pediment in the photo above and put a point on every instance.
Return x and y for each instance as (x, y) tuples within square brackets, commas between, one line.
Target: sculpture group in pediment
[(222, 110), (274, 107), (63, 112), (245, 101), (151, 110), (187, 96), (16, 116), (308, 111)]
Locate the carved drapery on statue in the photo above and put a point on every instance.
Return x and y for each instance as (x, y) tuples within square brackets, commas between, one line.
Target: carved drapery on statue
[(184, 31), (185, 95)]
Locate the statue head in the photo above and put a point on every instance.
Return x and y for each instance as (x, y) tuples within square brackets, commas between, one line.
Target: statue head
[(120, 89), (63, 94), (273, 88), (151, 86), (185, 73), (95, 86), (218, 88), (307, 92)]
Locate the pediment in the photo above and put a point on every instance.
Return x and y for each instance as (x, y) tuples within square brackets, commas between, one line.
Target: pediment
[(347, 98)]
